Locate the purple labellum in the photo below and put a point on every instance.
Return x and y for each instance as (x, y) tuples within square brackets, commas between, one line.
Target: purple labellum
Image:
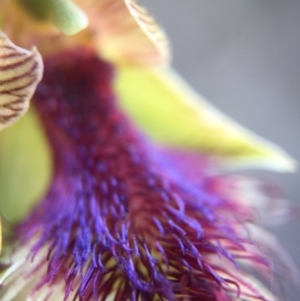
[(123, 218)]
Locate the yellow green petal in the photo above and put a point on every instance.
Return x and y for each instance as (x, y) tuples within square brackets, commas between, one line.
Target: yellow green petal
[(168, 110), (0, 236), (64, 14), (25, 167), (20, 72)]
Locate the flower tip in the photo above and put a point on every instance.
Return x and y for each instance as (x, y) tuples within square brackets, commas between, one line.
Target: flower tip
[(283, 162), (276, 159), (273, 159)]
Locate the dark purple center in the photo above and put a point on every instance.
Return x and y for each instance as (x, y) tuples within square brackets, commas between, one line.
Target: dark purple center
[(119, 216)]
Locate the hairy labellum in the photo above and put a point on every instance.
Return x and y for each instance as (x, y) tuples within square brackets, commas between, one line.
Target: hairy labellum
[(123, 219)]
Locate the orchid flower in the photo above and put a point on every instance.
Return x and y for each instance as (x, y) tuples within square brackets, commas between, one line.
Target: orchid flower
[(114, 185)]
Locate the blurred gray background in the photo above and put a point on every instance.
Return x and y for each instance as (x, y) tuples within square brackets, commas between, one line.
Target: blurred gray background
[(244, 56)]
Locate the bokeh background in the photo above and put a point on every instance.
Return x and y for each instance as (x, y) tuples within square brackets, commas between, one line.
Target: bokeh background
[(244, 56)]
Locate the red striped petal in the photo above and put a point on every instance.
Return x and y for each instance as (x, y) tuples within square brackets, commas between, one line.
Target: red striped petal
[(20, 72)]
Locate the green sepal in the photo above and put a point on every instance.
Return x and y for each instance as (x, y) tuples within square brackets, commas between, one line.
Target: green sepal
[(25, 167), (64, 14)]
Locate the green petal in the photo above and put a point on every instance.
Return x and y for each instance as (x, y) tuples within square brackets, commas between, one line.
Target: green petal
[(168, 110), (25, 167), (64, 14)]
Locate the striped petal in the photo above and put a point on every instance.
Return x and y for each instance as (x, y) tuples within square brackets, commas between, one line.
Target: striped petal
[(127, 33), (20, 72), (172, 113), (123, 31)]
